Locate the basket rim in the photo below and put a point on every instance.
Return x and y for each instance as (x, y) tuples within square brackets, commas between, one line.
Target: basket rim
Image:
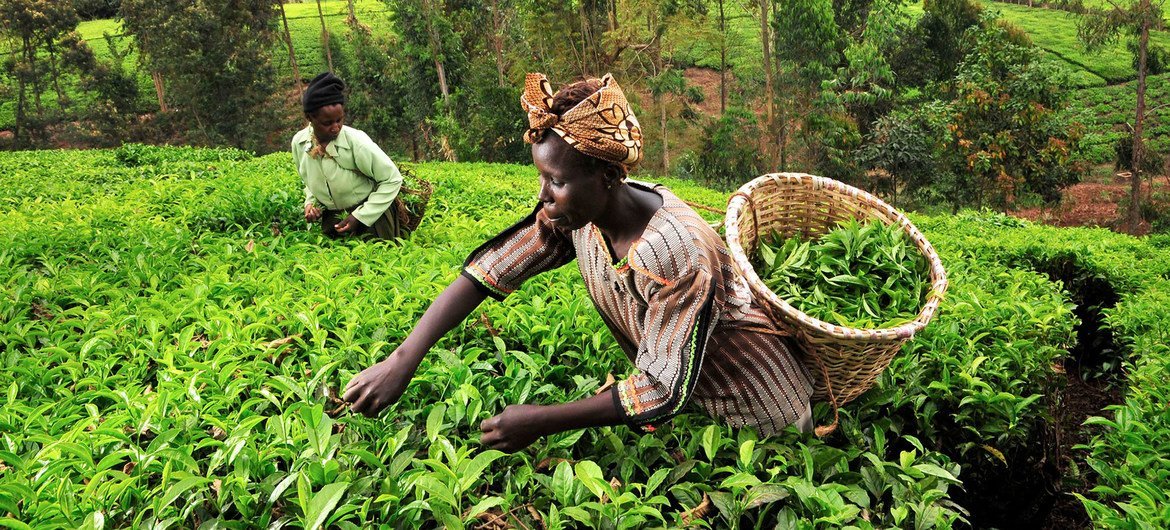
[(738, 205)]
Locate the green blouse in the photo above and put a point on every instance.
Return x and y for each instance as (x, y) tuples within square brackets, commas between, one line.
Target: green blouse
[(356, 170)]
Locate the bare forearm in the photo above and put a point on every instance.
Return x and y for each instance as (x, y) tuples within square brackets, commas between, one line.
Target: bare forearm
[(520, 425), (595, 411), (449, 309), (382, 384)]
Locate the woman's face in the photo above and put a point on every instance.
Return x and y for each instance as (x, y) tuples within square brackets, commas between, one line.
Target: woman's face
[(572, 189), (326, 121)]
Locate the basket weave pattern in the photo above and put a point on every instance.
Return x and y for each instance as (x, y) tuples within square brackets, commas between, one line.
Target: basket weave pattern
[(800, 204), (410, 217)]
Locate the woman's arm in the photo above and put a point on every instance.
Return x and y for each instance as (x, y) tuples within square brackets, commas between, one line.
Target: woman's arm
[(380, 385), (372, 162), (520, 425)]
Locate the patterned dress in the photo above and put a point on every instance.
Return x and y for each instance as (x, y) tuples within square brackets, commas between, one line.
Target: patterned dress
[(676, 307)]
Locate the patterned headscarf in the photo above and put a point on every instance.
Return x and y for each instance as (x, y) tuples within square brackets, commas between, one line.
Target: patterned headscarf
[(601, 125)]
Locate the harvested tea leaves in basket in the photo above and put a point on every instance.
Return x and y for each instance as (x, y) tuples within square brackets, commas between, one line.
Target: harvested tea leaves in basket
[(859, 275)]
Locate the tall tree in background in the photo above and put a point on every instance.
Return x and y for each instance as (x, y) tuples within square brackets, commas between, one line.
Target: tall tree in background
[(436, 62), (36, 26), (216, 57), (722, 56), (1100, 27), (773, 144), (807, 41), (292, 53), (1008, 130), (324, 37)]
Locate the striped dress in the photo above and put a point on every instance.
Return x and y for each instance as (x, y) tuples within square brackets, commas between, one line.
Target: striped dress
[(676, 307)]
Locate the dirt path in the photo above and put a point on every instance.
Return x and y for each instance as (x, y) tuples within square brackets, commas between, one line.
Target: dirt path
[(1093, 204)]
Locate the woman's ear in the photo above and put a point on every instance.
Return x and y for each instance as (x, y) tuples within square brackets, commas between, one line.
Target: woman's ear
[(614, 174)]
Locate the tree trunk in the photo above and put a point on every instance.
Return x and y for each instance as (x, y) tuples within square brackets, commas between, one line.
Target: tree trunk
[(436, 53), (770, 150), (1135, 181), (30, 54), (292, 54), (585, 48), (1135, 187), (20, 111), (352, 16), (325, 37), (159, 91), (62, 102), (498, 41), (442, 81), (722, 59), (665, 143)]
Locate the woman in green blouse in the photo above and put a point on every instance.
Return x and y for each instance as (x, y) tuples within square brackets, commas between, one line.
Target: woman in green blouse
[(350, 183)]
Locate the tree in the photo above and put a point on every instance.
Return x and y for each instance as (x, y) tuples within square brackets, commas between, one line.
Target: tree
[(904, 152), (668, 82), (807, 41), (215, 55), (324, 36), (725, 159), (36, 25), (436, 62), (1008, 133), (292, 54), (1100, 27)]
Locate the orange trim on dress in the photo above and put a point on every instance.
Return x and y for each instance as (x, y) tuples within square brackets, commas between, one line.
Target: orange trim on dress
[(484, 275)]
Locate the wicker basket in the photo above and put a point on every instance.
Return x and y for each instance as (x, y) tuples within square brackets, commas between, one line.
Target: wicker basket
[(410, 214), (845, 362)]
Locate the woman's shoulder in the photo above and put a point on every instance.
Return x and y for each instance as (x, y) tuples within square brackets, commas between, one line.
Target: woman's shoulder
[(355, 137), (676, 242), (303, 135)]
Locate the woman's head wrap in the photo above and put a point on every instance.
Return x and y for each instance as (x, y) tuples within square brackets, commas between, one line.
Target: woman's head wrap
[(325, 89), (601, 125)]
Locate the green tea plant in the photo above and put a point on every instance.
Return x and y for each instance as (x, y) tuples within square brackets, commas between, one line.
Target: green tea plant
[(173, 336), (861, 274)]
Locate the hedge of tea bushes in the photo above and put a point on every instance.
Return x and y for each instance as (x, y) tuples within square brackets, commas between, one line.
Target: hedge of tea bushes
[(172, 342)]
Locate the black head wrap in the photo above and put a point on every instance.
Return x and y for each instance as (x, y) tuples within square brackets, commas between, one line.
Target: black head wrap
[(325, 89)]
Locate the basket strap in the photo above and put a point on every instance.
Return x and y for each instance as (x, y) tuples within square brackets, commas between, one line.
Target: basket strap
[(825, 430), (715, 226), (751, 206), (776, 332)]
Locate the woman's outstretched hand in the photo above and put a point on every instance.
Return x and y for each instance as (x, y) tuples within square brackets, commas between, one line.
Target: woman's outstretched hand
[(380, 385), (514, 429)]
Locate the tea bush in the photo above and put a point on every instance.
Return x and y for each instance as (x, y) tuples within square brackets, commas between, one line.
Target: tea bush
[(172, 338)]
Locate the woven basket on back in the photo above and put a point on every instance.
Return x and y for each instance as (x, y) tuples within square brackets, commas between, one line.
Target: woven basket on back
[(411, 212), (844, 362)]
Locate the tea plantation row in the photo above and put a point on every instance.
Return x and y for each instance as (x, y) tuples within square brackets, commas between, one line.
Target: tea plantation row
[(172, 338)]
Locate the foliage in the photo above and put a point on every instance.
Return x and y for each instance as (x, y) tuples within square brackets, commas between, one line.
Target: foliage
[(215, 62), (944, 22), (1007, 129), (95, 9), (39, 27), (858, 275), (729, 156), (172, 335), (374, 76), (904, 152)]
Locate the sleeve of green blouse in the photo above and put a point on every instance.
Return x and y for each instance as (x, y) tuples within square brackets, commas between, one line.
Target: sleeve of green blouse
[(528, 248), (298, 155), (374, 162), (679, 319)]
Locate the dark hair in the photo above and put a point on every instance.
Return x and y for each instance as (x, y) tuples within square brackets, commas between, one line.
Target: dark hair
[(568, 97)]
